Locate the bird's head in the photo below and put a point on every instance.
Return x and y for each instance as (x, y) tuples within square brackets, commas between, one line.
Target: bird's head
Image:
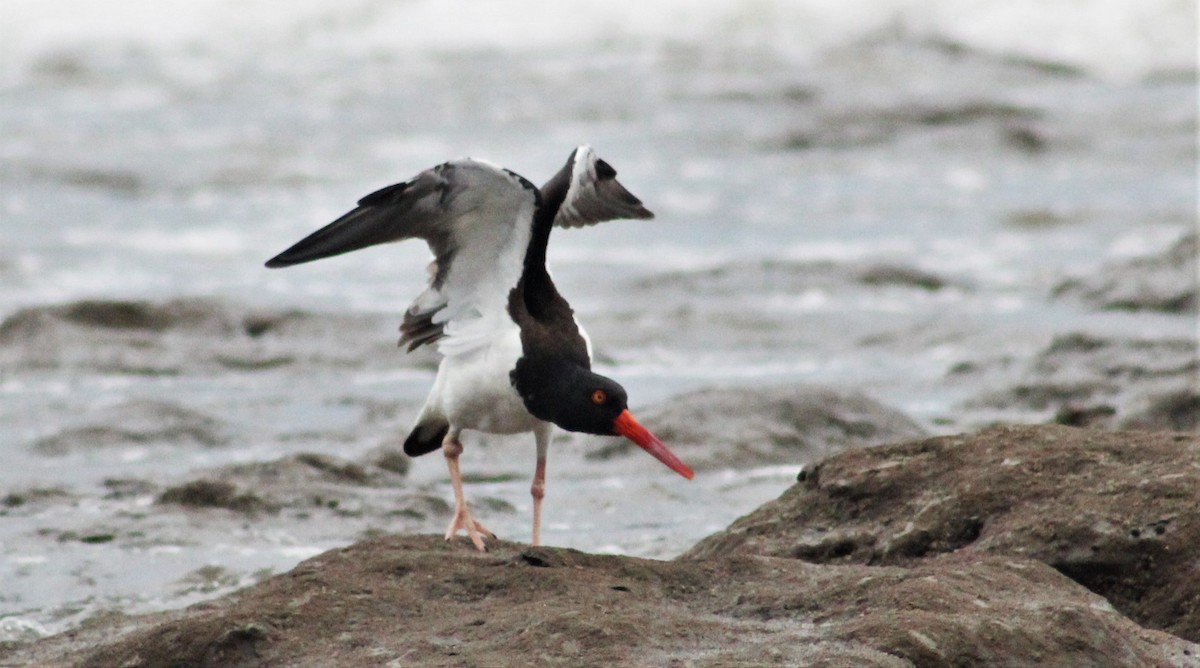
[(577, 399)]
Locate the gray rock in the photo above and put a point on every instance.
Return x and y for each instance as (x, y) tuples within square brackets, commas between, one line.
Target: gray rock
[(1085, 380), (419, 601), (143, 422), (844, 128), (191, 336), (748, 427), (307, 483), (1114, 511), (206, 493), (947, 552), (1165, 282), (1173, 411), (788, 277)]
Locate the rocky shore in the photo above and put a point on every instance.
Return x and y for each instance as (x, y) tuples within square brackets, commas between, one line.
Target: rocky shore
[(1016, 546), (242, 440)]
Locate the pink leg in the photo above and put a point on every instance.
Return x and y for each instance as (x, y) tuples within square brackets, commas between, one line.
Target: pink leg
[(452, 448), (538, 490), (543, 435)]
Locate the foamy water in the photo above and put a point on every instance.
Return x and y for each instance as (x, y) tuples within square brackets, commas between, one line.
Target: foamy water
[(1116, 38)]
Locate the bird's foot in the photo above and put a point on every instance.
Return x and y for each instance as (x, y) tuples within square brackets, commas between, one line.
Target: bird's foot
[(463, 521)]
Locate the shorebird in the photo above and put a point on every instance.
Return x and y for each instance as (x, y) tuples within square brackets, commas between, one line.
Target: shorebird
[(514, 358)]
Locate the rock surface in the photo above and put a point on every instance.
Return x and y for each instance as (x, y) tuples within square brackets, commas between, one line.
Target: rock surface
[(190, 335), (748, 427), (1172, 411), (309, 486), (1114, 511), (418, 601), (159, 424), (1164, 282), (735, 278), (1085, 380), (952, 551)]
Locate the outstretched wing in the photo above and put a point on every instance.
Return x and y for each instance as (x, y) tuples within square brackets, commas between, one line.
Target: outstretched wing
[(594, 194), (476, 218)]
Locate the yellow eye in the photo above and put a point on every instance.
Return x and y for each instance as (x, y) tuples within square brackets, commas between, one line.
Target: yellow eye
[(599, 397)]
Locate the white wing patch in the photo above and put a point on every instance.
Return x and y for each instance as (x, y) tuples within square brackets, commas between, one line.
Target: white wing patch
[(491, 223), (477, 218)]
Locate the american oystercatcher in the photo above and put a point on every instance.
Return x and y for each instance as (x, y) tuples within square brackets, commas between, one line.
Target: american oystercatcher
[(514, 359)]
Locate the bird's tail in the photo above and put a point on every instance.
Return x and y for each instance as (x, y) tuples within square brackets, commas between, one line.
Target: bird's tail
[(426, 437)]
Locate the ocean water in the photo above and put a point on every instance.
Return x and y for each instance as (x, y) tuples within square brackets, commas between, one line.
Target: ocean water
[(165, 150)]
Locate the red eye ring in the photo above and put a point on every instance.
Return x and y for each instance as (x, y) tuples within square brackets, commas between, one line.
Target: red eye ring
[(599, 397)]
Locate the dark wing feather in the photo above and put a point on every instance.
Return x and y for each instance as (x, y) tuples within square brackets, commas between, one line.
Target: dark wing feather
[(418, 327), (476, 218), (402, 211)]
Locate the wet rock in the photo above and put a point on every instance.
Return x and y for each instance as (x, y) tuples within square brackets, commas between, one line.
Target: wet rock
[(1121, 359), (207, 579), (1077, 415), (187, 336), (333, 469), (888, 274), (115, 181), (767, 305), (90, 538), (307, 483), (34, 497), (737, 278), (844, 128), (1025, 137), (1174, 411), (308, 468), (419, 601), (214, 494), (151, 423), (1165, 282), (748, 427), (1066, 397), (788, 277), (1041, 219), (944, 552), (390, 458), (189, 314), (127, 488), (1086, 380), (1114, 511)]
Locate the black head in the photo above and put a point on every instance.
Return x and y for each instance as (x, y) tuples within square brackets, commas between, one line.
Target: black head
[(577, 399), (570, 396)]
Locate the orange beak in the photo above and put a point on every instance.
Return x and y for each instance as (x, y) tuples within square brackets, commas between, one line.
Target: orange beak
[(628, 427)]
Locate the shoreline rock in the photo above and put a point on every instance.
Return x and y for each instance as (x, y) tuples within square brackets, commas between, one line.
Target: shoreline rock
[(419, 601), (1165, 282), (955, 551), (191, 335), (1084, 380), (1114, 511), (745, 427)]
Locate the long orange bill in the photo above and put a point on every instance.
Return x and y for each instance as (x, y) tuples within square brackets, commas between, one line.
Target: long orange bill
[(628, 427)]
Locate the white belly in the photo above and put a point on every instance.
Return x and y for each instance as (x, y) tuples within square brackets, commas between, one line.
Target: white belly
[(474, 391)]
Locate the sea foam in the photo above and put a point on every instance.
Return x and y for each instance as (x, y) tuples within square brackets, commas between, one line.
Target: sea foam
[(1110, 38)]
